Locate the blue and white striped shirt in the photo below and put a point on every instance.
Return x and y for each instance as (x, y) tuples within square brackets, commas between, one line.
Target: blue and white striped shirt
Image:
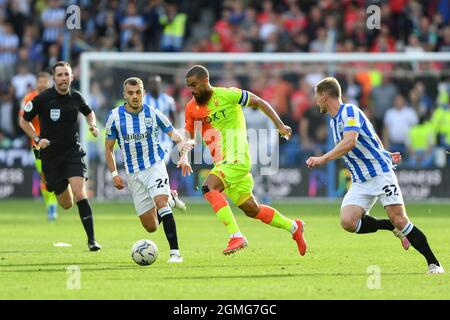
[(137, 135), (165, 104), (368, 158), (8, 41), (53, 16)]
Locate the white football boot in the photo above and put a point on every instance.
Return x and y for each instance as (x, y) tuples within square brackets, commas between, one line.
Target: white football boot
[(435, 269), (175, 259), (175, 202)]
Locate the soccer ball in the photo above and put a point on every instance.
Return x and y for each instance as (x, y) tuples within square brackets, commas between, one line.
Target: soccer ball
[(144, 252)]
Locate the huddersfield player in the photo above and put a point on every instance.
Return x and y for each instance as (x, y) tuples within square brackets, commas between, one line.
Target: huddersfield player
[(223, 130), (371, 167), (44, 81), (136, 127)]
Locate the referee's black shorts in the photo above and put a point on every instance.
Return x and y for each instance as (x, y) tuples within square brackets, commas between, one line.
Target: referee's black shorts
[(59, 167)]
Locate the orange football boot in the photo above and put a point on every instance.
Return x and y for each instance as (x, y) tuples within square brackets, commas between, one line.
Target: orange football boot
[(235, 244), (299, 238)]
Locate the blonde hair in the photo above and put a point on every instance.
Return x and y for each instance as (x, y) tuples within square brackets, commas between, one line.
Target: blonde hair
[(330, 86)]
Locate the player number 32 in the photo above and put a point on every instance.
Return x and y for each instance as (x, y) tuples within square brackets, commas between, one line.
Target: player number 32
[(390, 190)]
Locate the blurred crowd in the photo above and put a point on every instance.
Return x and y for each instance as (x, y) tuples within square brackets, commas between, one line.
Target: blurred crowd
[(408, 103)]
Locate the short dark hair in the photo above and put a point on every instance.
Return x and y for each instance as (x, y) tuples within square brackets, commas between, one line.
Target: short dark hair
[(134, 81), (199, 71), (60, 64), (330, 86)]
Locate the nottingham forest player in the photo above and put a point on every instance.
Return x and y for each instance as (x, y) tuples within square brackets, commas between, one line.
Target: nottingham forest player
[(223, 129)]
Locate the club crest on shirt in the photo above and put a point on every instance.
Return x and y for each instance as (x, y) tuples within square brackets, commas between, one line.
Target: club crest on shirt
[(55, 114), (340, 126), (148, 122)]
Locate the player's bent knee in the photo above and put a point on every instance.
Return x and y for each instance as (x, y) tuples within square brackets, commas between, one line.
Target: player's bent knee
[(162, 202), (251, 210), (348, 225), (151, 228), (66, 205)]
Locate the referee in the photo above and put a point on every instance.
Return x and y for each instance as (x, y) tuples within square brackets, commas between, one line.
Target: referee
[(62, 156)]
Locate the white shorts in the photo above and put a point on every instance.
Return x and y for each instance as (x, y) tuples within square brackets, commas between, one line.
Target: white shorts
[(364, 194), (147, 184)]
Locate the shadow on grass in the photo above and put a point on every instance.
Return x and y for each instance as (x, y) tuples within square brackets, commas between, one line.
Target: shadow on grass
[(43, 265), (288, 275), (62, 269)]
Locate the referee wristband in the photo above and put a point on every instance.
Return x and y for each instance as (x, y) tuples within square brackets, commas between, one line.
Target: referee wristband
[(114, 173)]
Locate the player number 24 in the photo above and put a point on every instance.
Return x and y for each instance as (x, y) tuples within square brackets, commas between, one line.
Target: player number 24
[(161, 183)]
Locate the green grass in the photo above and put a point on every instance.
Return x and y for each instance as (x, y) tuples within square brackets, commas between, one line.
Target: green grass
[(335, 266)]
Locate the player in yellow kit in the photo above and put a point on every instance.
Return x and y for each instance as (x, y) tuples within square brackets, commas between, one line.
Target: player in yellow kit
[(223, 129)]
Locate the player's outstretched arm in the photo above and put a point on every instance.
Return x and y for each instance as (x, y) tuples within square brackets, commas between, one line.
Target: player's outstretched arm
[(395, 156), (264, 106), (342, 148), (91, 121), (111, 163), (184, 146)]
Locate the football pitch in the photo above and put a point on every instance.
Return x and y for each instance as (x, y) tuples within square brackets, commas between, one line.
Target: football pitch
[(338, 265)]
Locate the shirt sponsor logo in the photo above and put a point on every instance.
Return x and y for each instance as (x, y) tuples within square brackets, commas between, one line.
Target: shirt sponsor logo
[(55, 114), (215, 116), (136, 136)]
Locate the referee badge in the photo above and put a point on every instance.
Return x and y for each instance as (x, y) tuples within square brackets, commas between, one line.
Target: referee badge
[(28, 107), (148, 122), (55, 114)]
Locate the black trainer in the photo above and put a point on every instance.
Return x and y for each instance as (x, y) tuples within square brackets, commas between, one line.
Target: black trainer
[(94, 246)]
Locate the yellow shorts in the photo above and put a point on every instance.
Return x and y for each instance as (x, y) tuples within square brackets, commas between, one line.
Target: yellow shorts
[(38, 164), (237, 179)]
